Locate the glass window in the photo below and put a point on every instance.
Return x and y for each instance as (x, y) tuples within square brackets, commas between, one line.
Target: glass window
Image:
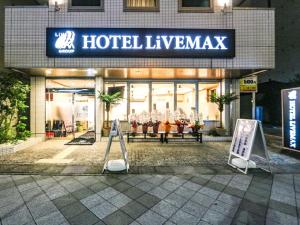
[(118, 111), (139, 98), (86, 4), (162, 96), (186, 98), (208, 110), (141, 5), (194, 5)]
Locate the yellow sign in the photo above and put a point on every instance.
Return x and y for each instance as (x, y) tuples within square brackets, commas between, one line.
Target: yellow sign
[(248, 84)]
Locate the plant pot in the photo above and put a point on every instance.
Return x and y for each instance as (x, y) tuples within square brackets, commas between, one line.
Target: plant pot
[(105, 131), (180, 128), (145, 128), (195, 129), (134, 130), (221, 131), (155, 128), (167, 128)]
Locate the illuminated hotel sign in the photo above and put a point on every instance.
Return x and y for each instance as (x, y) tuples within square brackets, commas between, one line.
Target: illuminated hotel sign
[(291, 118), (136, 42)]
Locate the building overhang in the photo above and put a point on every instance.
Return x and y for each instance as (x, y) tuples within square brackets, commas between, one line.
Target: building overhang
[(141, 73)]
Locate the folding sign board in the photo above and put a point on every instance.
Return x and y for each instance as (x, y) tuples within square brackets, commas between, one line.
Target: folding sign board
[(118, 165), (248, 140)]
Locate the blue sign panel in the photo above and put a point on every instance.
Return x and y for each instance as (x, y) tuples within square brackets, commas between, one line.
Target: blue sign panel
[(136, 42), (291, 118)]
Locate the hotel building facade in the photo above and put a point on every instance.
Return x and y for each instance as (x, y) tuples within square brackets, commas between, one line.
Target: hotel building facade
[(160, 54)]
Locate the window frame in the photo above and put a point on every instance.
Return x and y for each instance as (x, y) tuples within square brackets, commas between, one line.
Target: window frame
[(99, 8), (195, 9), (126, 8)]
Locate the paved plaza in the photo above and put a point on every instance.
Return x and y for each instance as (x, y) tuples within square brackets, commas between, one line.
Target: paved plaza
[(150, 199), (53, 157)]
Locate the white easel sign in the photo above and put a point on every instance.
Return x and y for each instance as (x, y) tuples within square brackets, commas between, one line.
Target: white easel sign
[(248, 140), (117, 165)]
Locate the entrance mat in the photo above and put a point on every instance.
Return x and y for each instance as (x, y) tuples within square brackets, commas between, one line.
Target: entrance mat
[(86, 139)]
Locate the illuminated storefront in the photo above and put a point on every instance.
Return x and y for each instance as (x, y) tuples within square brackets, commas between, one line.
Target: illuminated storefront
[(160, 54)]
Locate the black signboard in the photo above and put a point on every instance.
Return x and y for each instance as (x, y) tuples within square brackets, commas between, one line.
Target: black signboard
[(291, 118), (140, 42)]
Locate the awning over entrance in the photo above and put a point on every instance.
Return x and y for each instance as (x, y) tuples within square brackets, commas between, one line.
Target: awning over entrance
[(141, 73)]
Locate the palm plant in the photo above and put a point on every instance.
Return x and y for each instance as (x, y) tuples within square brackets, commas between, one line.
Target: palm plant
[(109, 100), (222, 100)]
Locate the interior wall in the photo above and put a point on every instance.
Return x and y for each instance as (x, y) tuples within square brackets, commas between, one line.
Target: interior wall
[(60, 108), (209, 110)]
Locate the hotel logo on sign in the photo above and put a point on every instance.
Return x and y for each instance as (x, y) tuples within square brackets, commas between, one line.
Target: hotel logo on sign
[(65, 42), (136, 42)]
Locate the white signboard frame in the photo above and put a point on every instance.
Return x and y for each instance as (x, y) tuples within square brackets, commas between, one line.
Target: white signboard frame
[(116, 132), (248, 140)]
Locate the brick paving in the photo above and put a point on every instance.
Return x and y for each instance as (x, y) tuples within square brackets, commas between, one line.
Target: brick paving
[(150, 199), (52, 157)]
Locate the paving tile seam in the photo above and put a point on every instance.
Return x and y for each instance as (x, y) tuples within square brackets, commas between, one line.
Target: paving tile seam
[(297, 211), (24, 202), (150, 209), (56, 182), (234, 217), (209, 208), (269, 197), (254, 180), (190, 199), (106, 200)]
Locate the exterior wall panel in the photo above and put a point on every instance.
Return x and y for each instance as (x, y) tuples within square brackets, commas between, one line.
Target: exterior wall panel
[(25, 36)]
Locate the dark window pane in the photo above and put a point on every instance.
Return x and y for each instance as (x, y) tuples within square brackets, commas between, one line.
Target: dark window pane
[(86, 2), (195, 3), (141, 3)]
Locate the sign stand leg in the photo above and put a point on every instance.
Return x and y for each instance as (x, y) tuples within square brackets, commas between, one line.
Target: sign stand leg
[(245, 171)]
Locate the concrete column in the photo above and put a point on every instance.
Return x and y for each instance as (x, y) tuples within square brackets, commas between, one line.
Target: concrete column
[(226, 112), (235, 105), (37, 106), (99, 108)]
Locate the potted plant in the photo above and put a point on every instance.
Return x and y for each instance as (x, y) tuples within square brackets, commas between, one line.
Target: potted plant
[(167, 127), (195, 126), (134, 126), (180, 125), (155, 126), (145, 126), (222, 100), (108, 100)]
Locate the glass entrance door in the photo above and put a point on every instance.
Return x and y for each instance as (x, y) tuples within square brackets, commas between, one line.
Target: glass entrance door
[(70, 108), (83, 113)]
